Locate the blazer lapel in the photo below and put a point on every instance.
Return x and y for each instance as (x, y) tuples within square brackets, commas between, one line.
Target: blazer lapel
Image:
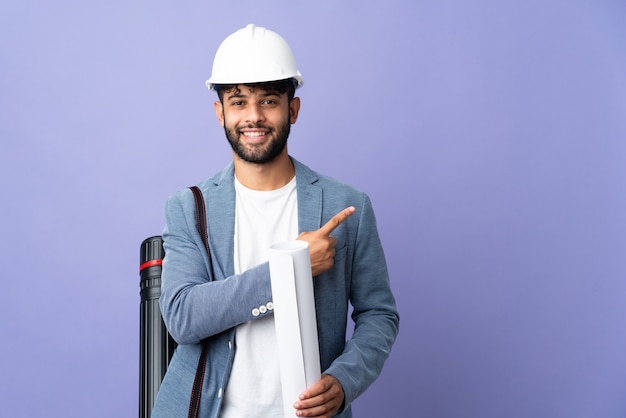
[(309, 199), (221, 221)]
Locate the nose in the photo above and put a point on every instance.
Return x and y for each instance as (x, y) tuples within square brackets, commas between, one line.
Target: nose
[(255, 113)]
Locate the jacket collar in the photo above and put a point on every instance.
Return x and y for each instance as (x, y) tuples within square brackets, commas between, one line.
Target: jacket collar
[(220, 208)]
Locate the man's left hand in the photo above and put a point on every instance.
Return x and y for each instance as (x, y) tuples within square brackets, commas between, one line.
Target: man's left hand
[(322, 399)]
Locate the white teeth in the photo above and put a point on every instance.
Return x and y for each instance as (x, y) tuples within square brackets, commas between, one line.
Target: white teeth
[(254, 134)]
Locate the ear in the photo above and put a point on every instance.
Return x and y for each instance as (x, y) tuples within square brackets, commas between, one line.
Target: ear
[(219, 112), (294, 108)]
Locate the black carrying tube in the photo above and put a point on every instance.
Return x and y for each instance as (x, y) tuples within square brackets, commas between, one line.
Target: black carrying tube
[(156, 345)]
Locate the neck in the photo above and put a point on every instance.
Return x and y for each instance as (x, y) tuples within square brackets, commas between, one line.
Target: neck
[(268, 176)]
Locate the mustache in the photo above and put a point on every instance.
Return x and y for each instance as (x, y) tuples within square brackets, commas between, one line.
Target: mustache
[(255, 126)]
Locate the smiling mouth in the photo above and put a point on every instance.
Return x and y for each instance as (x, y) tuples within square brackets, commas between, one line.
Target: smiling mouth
[(255, 134)]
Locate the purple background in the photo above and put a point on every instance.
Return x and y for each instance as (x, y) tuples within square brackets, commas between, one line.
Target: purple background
[(491, 136)]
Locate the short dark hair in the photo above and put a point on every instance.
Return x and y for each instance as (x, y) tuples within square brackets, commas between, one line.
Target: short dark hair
[(280, 87)]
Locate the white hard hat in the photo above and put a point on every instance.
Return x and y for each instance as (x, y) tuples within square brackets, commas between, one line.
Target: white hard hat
[(253, 55)]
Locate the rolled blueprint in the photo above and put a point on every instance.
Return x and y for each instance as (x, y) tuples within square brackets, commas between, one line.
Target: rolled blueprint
[(294, 318)]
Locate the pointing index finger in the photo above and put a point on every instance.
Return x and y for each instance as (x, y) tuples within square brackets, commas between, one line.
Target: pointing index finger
[(337, 220)]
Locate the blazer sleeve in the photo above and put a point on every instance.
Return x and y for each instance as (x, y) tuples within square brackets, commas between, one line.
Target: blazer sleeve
[(376, 319), (195, 306)]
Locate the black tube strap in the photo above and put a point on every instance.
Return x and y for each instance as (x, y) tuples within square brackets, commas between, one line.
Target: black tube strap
[(196, 391)]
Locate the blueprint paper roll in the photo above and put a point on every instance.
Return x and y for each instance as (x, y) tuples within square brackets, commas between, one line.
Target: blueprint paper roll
[(294, 318)]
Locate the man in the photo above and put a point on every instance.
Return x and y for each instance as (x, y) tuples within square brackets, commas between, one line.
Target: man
[(265, 196)]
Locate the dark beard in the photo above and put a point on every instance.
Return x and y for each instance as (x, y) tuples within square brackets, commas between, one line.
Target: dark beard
[(259, 155)]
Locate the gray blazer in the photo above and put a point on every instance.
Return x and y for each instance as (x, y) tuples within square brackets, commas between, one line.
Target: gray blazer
[(195, 308)]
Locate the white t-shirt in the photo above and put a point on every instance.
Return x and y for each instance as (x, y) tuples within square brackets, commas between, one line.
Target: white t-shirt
[(262, 218)]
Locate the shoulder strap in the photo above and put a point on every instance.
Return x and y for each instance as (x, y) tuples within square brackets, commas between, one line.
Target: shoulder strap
[(196, 391), (201, 223)]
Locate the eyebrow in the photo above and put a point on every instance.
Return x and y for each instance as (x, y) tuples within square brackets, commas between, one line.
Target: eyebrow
[(235, 96), (240, 95)]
